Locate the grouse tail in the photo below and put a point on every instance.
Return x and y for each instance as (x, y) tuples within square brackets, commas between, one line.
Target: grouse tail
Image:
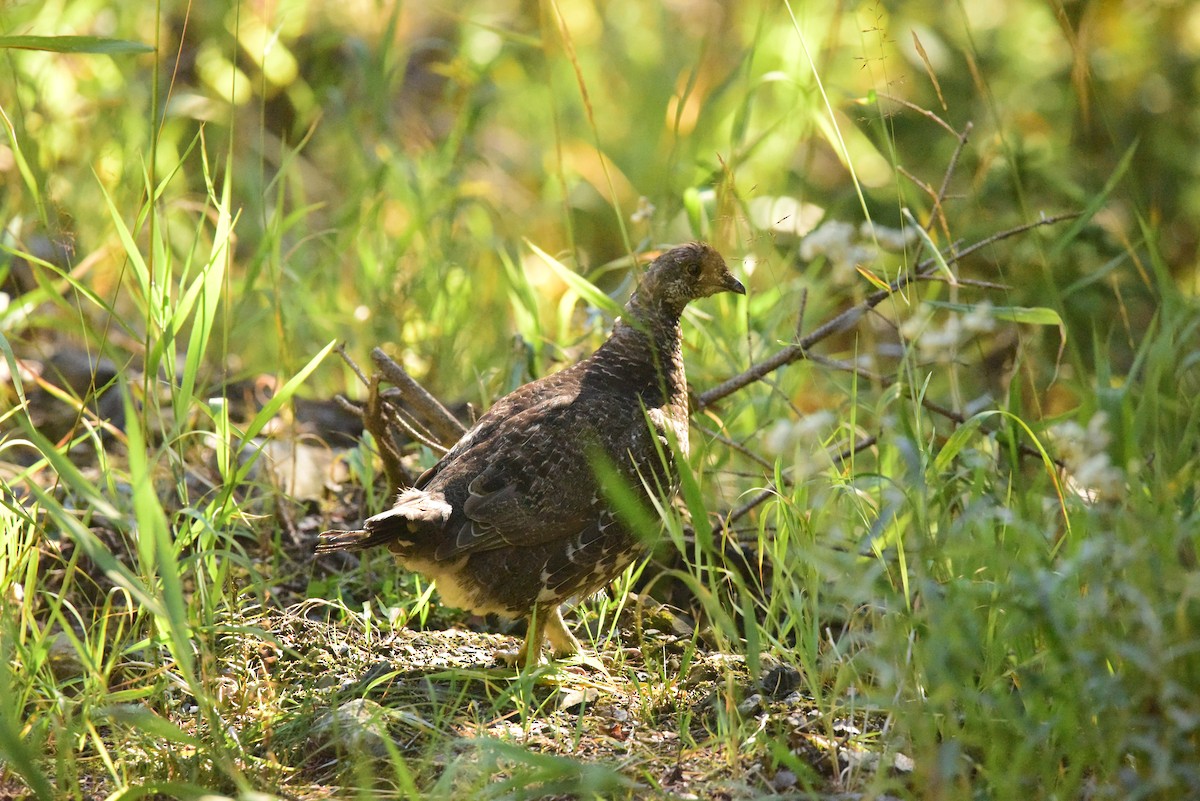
[(416, 511)]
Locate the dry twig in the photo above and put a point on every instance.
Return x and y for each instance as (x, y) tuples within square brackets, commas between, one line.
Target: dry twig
[(445, 427), (847, 319)]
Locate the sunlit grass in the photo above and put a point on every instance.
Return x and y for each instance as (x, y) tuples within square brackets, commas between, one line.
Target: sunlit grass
[(441, 187)]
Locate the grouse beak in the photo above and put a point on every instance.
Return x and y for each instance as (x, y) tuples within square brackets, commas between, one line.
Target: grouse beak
[(731, 284)]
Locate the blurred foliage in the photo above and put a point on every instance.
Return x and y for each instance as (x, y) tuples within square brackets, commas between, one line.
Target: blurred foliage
[(396, 170), (388, 151)]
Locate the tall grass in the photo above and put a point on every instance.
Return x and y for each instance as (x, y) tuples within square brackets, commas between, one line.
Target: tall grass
[(468, 189)]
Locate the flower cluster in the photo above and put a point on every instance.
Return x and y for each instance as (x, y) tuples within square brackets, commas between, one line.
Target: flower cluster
[(846, 247), (1084, 451), (802, 439), (644, 212), (940, 343)]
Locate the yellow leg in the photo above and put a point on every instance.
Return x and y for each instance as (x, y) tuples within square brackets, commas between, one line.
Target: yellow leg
[(543, 624), (561, 639), (531, 648)]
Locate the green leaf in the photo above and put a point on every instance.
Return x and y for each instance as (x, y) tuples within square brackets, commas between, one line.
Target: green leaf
[(143, 719), (629, 504), (67, 472), (184, 791), (91, 545), (285, 393), (693, 204), (96, 45), (207, 287), (13, 369), (957, 441), (156, 547), (19, 749), (578, 284), (1029, 315), (1097, 202), (932, 247), (23, 166), (141, 271)]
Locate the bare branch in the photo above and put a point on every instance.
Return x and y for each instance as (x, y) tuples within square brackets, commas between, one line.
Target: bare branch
[(850, 317), (975, 282), (959, 418), (376, 421), (858, 447), (341, 351), (743, 509), (922, 111), (403, 419), (924, 186), (348, 405), (444, 426), (941, 195), (734, 445), (800, 313)]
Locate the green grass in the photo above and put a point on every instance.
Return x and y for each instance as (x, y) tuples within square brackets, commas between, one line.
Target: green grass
[(960, 614)]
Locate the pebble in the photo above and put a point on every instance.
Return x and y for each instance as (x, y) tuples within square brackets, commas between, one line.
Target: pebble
[(783, 780), (751, 705)]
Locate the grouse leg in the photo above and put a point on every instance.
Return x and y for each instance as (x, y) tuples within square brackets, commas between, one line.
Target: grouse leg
[(543, 624), (561, 639), (531, 647)]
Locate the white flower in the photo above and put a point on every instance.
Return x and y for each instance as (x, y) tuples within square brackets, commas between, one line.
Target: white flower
[(831, 239), (1090, 473), (1070, 441), (980, 320), (915, 324), (645, 210), (847, 248), (890, 239), (811, 428), (940, 344), (860, 255), (805, 434), (1097, 430), (778, 439)]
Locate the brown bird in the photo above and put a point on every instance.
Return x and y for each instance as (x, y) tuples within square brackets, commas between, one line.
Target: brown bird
[(514, 520)]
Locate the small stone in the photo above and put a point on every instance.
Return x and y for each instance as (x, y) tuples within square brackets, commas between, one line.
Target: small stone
[(64, 658), (577, 699), (781, 680), (359, 725), (783, 780), (751, 705)]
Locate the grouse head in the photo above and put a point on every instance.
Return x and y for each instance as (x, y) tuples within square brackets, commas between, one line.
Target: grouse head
[(678, 277)]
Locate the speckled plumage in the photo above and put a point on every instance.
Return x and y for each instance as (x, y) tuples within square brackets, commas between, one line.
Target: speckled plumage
[(513, 520)]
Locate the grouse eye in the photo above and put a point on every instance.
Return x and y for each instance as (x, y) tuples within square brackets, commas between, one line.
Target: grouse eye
[(694, 269)]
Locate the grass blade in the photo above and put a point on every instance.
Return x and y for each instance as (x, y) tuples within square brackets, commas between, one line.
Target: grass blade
[(579, 285), (95, 45)]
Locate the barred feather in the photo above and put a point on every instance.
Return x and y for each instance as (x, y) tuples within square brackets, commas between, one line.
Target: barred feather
[(513, 519)]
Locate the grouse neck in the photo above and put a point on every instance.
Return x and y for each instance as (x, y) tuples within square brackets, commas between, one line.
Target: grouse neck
[(651, 309), (657, 340)]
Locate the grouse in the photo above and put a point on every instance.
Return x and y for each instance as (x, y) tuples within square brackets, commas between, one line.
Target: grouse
[(514, 520)]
